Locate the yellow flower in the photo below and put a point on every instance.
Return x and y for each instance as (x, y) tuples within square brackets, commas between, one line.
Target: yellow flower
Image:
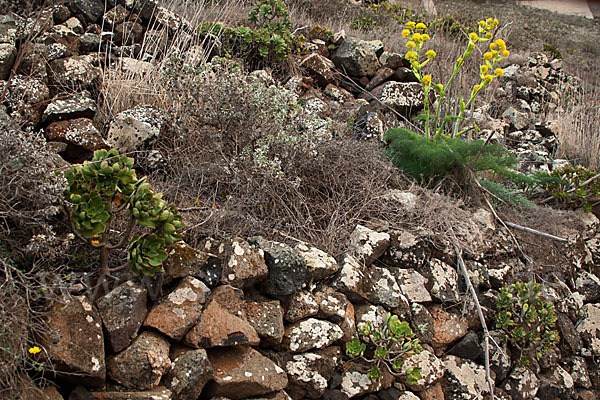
[(488, 35), (430, 54), (416, 37), (405, 33), (496, 22), (411, 55), (34, 350), (473, 36), (493, 46), (488, 78), (499, 72), (505, 53), (495, 53), (425, 37), (95, 242), (421, 26), (482, 24), (489, 21), (427, 79), (501, 44), (483, 69), (487, 56), (476, 87), (411, 45), (440, 86), (410, 25)]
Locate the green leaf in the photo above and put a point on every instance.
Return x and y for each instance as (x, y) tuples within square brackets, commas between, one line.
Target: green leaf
[(413, 375), (374, 373)]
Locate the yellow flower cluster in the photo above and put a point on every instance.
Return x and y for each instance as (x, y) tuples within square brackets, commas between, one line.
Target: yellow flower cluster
[(34, 350), (497, 52), (415, 33)]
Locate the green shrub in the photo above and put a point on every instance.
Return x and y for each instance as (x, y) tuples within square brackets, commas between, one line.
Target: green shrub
[(553, 50), (574, 186), (387, 346), (365, 24), (527, 320), (100, 189)]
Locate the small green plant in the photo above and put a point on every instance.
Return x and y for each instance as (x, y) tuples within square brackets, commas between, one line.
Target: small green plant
[(450, 25), (553, 50), (574, 186), (365, 24), (527, 320), (387, 346), (100, 189)]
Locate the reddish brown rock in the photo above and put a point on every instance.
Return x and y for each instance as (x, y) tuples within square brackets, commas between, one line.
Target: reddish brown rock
[(158, 393), (433, 392), (142, 365), (79, 132), (266, 317), (184, 260), (320, 68), (75, 342), (301, 305), (176, 313), (243, 264), (123, 310), (241, 372), (447, 327)]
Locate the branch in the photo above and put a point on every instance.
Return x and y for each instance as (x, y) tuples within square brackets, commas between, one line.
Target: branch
[(472, 167), (535, 232), (125, 236)]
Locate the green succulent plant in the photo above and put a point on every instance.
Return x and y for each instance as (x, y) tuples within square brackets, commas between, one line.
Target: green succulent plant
[(99, 189)]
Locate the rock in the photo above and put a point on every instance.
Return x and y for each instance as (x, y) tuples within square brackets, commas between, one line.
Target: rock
[(412, 285), (91, 10), (158, 393), (64, 107), (74, 324), (141, 365), (589, 286), (57, 50), (115, 16), (134, 127), (391, 60), (463, 379), (241, 372), (468, 347), (381, 76), (223, 321), (434, 392), (89, 42), (500, 361), (589, 329), (555, 384), (74, 74), (184, 260), (579, 373), (287, 269), (128, 33), (320, 68), (358, 57), (356, 383), (369, 313), (348, 324), (167, 18), (319, 264), (80, 134), (570, 341), (176, 313), (311, 372), (337, 93), (368, 245), (132, 67), (353, 280), (243, 263), (407, 250), (442, 281), (123, 310), (301, 305), (387, 293), (332, 304), (447, 327), (521, 384), (8, 54), (191, 370), (75, 25), (432, 369), (28, 96), (33, 61), (266, 317), (311, 334), (518, 120), (403, 97), (422, 323)]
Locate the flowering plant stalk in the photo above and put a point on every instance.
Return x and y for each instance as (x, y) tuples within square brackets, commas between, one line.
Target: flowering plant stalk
[(415, 32)]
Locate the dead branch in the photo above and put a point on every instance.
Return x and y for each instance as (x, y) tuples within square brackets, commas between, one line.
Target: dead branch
[(535, 232)]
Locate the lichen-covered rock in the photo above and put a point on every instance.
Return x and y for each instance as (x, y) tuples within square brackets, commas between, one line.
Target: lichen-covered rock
[(319, 264), (589, 286), (579, 373), (442, 281), (223, 321), (27, 96), (123, 310), (369, 313), (158, 393), (332, 304), (463, 380), (128, 33), (141, 365), (407, 249), (320, 68), (422, 323), (184, 260), (79, 133), (90, 10), (368, 245), (311, 334), (134, 127), (8, 53), (241, 372), (403, 97), (176, 313), (74, 73), (589, 329), (266, 317), (287, 268), (447, 327), (354, 280), (522, 384), (191, 370), (358, 57), (555, 384), (242, 263), (310, 372), (301, 305), (76, 105), (570, 341), (412, 285), (432, 369), (356, 383), (387, 293), (75, 341)]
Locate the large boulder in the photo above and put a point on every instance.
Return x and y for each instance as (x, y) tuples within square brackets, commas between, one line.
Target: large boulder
[(132, 128), (357, 57), (311, 334), (287, 268), (74, 73)]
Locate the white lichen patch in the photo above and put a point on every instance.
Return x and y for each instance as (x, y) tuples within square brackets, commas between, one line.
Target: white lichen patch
[(300, 370), (312, 333), (182, 295), (355, 383)]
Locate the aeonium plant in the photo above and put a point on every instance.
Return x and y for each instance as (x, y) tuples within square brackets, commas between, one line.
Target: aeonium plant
[(416, 33)]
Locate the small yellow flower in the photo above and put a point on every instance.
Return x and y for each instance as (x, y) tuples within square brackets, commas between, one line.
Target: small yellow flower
[(427, 79), (493, 46), (482, 24), (95, 242), (411, 45), (421, 26), (410, 55), (416, 37), (483, 69), (487, 56), (488, 78), (488, 35), (440, 86), (501, 44), (425, 37), (496, 22), (495, 53), (476, 87), (410, 25), (505, 53), (499, 72), (473, 36), (34, 350), (430, 54), (489, 21), (405, 33)]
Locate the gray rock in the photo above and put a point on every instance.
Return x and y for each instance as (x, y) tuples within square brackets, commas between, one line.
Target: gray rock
[(369, 313), (412, 284), (589, 329), (519, 120), (358, 57), (311, 372), (243, 263), (500, 361), (579, 373), (522, 384), (356, 383), (555, 384), (332, 304), (442, 281), (74, 73), (287, 268), (368, 245), (89, 42), (142, 365), (589, 286), (432, 369), (191, 370), (311, 334), (266, 317), (8, 53), (404, 97), (132, 128), (319, 264), (91, 10), (301, 305), (468, 347), (386, 291), (128, 33), (28, 95), (158, 393), (354, 280), (320, 68), (464, 379), (570, 341), (123, 310), (408, 249), (56, 51), (77, 105)]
